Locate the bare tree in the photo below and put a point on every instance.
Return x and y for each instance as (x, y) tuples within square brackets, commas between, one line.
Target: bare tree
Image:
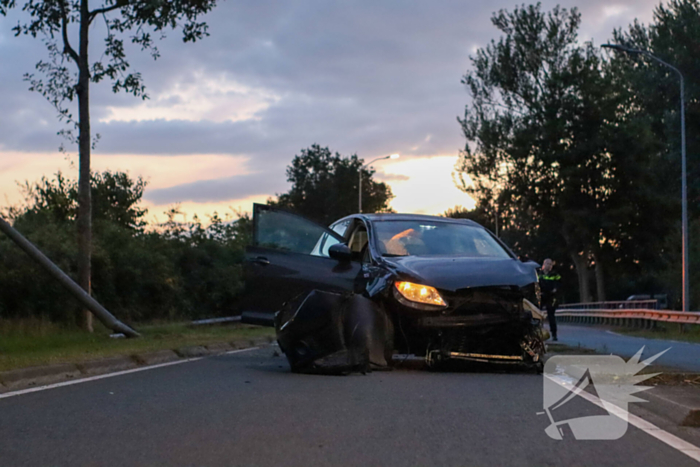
[(68, 72)]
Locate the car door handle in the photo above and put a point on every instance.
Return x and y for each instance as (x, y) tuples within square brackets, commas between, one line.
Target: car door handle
[(260, 260)]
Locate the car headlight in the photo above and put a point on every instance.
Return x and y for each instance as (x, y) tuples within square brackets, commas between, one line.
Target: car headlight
[(420, 293)]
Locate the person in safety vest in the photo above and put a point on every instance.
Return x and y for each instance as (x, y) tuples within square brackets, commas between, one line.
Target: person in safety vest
[(550, 283)]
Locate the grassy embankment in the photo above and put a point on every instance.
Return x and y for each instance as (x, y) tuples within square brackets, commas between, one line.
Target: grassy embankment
[(664, 376), (31, 343), (666, 331)]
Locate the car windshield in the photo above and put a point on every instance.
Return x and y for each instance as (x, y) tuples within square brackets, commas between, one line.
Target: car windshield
[(435, 238)]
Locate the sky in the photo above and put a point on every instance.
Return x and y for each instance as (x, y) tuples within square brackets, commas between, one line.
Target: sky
[(227, 114)]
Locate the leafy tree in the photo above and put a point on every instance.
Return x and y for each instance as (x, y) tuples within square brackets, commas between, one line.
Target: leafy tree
[(48, 218), (480, 214), (673, 36), (68, 73), (116, 197), (550, 143), (324, 186)]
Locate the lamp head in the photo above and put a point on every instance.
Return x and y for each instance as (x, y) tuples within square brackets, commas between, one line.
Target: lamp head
[(622, 48)]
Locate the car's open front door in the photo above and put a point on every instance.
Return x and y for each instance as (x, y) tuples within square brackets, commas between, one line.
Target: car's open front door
[(290, 256)]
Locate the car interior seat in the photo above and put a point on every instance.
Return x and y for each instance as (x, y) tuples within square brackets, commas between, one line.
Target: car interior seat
[(358, 242)]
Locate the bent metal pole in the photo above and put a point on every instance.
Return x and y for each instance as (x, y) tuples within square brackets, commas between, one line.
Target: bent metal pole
[(83, 297)]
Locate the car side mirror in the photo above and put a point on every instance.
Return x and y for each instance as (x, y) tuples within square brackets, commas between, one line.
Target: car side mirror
[(340, 252)]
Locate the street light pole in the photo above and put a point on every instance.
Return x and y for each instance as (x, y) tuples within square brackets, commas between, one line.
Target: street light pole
[(392, 156), (684, 187)]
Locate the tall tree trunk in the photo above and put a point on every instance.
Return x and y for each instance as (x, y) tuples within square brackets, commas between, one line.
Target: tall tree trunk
[(581, 263), (599, 278), (84, 140)]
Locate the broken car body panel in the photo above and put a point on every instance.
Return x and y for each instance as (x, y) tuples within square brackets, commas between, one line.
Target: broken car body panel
[(341, 310)]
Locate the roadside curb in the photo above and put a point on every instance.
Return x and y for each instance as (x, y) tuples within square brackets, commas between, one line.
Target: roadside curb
[(221, 347), (107, 365), (33, 376), (192, 351), (24, 378), (156, 357)]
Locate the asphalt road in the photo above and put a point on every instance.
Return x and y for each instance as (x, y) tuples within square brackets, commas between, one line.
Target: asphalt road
[(247, 409), (682, 355)]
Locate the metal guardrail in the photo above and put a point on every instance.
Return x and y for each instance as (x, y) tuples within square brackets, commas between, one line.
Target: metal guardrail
[(621, 305), (258, 318), (643, 318), (204, 322), (201, 322)]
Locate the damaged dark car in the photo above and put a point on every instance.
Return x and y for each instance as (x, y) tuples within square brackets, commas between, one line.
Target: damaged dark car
[(348, 297)]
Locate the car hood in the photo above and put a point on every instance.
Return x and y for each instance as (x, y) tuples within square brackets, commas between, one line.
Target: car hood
[(454, 273)]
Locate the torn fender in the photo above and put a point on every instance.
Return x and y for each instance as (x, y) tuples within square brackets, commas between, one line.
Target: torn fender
[(326, 332)]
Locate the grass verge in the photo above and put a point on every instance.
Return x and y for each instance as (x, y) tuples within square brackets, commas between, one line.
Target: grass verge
[(666, 331), (25, 344), (664, 376)]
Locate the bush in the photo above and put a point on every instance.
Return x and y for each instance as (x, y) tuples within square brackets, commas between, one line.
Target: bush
[(140, 273)]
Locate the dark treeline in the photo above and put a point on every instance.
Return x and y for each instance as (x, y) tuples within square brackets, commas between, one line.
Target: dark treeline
[(169, 271), (575, 151), (175, 270)]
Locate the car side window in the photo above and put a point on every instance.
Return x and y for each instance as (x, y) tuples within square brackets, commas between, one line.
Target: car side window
[(281, 230), (341, 227), (323, 245)]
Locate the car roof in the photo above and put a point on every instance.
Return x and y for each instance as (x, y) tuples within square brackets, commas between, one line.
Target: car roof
[(379, 217)]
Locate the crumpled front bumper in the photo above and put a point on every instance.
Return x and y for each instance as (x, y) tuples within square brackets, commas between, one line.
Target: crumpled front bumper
[(491, 325)]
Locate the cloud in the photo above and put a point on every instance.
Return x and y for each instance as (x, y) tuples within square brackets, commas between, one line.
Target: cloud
[(207, 191), (385, 177), (275, 76), (215, 99)]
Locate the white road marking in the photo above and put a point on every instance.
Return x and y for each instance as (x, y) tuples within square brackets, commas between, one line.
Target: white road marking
[(110, 375), (672, 440)]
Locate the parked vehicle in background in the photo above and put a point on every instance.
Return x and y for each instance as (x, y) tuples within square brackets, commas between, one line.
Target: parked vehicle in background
[(661, 299)]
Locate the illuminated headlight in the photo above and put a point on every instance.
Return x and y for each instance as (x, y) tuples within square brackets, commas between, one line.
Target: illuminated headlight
[(419, 293)]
